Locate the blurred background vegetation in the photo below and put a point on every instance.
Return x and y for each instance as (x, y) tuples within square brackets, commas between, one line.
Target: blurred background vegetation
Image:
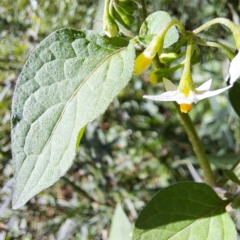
[(136, 148)]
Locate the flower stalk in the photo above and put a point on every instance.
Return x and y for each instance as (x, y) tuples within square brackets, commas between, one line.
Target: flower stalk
[(145, 59), (109, 25), (235, 29), (229, 52), (156, 44), (197, 147)]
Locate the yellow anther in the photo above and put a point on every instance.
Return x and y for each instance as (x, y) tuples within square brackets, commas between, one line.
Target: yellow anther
[(185, 108)]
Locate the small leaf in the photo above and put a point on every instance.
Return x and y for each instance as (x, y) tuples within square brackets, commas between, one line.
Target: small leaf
[(234, 97), (231, 176), (68, 80), (121, 228), (153, 25), (236, 203), (80, 134), (185, 210)]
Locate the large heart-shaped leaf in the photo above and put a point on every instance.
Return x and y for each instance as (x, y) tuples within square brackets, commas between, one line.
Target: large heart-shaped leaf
[(186, 211), (68, 80)]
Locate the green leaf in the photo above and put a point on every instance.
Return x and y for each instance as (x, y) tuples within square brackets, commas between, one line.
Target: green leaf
[(236, 203), (185, 211), (69, 80), (121, 228), (80, 134), (122, 16), (231, 176), (234, 97), (153, 25)]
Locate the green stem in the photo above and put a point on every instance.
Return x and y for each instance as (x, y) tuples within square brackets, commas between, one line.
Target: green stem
[(144, 10), (106, 8), (173, 69), (79, 190), (235, 29), (223, 21), (188, 125), (156, 45), (197, 147), (230, 54), (189, 52), (170, 24)]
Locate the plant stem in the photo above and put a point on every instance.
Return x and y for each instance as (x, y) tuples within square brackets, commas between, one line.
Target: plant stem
[(230, 54), (144, 10), (80, 190), (186, 82), (223, 21), (106, 6), (187, 122), (156, 45), (235, 29), (197, 147), (170, 24)]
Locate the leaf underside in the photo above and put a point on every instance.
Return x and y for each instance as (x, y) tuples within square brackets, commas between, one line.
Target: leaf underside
[(68, 80), (154, 23), (186, 211)]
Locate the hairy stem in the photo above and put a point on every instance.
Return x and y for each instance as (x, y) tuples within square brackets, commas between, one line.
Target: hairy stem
[(144, 10), (229, 52), (156, 45), (170, 24), (197, 147), (223, 21), (235, 29)]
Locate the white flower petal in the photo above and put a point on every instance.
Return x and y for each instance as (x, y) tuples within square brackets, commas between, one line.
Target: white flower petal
[(191, 98), (169, 85), (165, 97), (234, 69), (205, 86), (208, 94)]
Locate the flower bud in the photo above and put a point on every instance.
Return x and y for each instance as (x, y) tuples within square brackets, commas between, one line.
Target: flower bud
[(155, 78), (142, 63), (110, 27), (167, 58)]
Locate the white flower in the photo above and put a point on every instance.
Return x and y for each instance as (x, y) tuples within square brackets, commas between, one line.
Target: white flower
[(234, 69), (185, 97)]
